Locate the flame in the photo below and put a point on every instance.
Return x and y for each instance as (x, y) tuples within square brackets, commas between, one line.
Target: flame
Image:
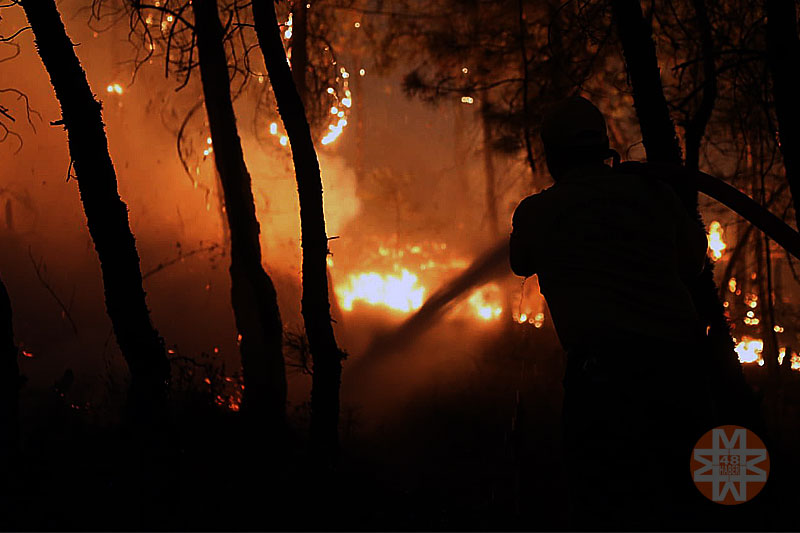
[(483, 302), (715, 242), (400, 293), (749, 350), (794, 361)]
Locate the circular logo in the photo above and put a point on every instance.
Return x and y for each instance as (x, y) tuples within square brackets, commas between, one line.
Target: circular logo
[(730, 465)]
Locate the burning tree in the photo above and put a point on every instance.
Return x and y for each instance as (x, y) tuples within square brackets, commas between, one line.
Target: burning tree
[(106, 213)]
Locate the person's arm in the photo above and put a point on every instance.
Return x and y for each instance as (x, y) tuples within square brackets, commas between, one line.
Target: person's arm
[(521, 254)]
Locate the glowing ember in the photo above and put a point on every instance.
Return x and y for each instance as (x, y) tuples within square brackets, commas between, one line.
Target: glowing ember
[(334, 132), (715, 242), (400, 293), (749, 350)]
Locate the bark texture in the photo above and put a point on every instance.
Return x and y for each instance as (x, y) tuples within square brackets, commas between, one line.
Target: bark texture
[(661, 146), (254, 299), (783, 57), (327, 357), (106, 213), (9, 379)]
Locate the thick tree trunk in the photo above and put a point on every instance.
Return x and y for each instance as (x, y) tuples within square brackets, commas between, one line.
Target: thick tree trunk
[(661, 145), (9, 380), (783, 57), (255, 304), (106, 213), (326, 354)]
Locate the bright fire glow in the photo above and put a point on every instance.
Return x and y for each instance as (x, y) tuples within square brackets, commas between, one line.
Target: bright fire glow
[(334, 132), (484, 302), (400, 293), (749, 350), (715, 242)]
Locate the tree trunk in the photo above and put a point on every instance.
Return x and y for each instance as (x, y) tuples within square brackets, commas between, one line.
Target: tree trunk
[(300, 48), (661, 145), (783, 57), (253, 295), (9, 380), (696, 127), (658, 131), (106, 213), (766, 312), (327, 356)]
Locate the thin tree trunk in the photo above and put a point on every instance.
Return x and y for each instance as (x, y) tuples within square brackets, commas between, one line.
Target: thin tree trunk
[(253, 295), (696, 127), (106, 213), (9, 380), (661, 145), (327, 356), (658, 131), (300, 48), (769, 352), (783, 57), (526, 130)]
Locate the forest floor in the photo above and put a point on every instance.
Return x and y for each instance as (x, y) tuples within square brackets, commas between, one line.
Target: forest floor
[(476, 451)]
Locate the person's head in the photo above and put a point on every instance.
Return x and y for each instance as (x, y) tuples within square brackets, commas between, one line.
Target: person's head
[(574, 135)]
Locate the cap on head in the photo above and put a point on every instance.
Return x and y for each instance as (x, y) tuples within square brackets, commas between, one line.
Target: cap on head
[(574, 124)]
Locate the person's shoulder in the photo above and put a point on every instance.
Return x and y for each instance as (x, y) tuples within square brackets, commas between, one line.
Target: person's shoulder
[(532, 206), (536, 201)]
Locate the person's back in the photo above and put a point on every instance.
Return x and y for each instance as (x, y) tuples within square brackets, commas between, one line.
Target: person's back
[(610, 250), (613, 251)]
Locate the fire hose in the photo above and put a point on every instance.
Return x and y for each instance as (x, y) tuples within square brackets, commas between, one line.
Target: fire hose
[(494, 261)]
